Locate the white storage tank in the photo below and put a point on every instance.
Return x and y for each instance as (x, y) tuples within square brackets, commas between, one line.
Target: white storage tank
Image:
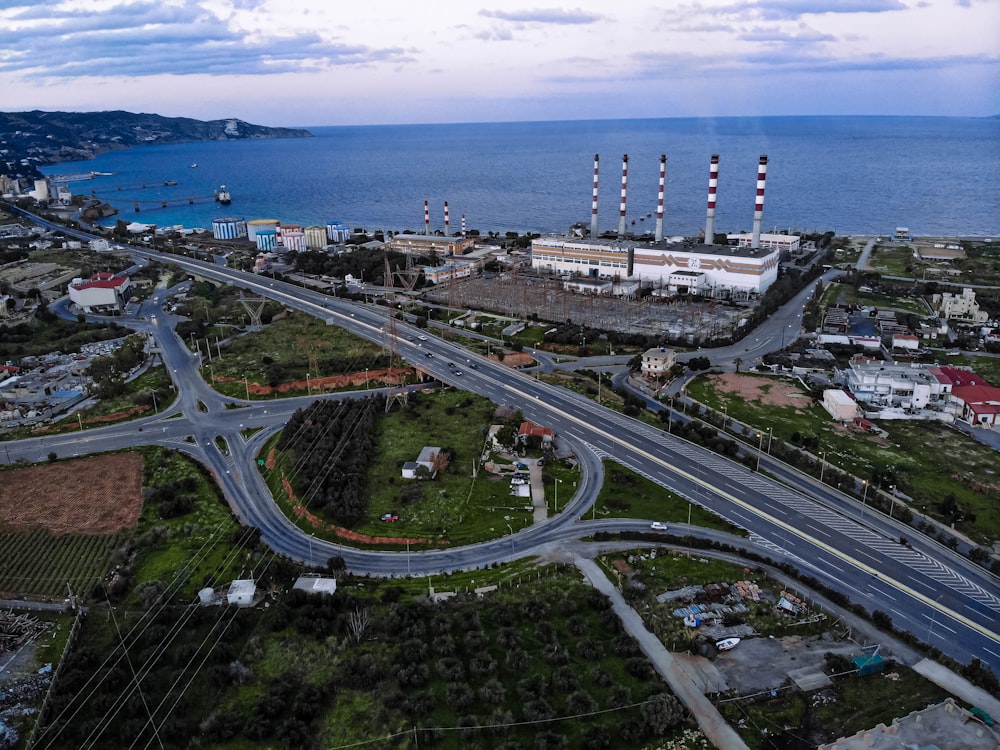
[(293, 237), (316, 237), (266, 239), (337, 232), (229, 228), (256, 225)]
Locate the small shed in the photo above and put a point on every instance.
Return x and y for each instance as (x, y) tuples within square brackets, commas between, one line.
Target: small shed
[(868, 664), (241, 592), (316, 585)]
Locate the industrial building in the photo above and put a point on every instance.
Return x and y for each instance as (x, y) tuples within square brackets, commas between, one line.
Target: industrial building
[(422, 244), (677, 266), (229, 228), (102, 292)]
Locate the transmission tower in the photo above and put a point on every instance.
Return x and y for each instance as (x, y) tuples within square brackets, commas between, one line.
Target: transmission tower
[(254, 307), (397, 387)]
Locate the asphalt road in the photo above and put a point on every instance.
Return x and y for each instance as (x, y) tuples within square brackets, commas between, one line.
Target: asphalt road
[(932, 594)]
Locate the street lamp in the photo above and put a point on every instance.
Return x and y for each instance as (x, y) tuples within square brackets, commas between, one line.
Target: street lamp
[(769, 436), (366, 378), (511, 540), (864, 498), (822, 466), (557, 497), (760, 446), (155, 407), (308, 385)]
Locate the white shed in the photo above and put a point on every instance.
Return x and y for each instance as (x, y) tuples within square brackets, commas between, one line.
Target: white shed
[(241, 592), (841, 406)]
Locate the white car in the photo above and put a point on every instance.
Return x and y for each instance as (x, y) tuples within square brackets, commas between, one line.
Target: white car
[(422, 337), (657, 526)]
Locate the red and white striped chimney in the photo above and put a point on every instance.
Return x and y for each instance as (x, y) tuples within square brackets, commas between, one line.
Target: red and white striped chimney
[(758, 211), (463, 226), (713, 184), (659, 199), (447, 221), (427, 218), (277, 233), (621, 210), (593, 204)]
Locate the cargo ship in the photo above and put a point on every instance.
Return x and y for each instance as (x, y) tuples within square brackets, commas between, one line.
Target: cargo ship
[(222, 196)]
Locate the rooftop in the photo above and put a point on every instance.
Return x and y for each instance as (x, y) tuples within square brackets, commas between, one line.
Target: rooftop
[(664, 245)]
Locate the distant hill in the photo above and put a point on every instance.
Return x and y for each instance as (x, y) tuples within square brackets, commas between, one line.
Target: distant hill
[(29, 140)]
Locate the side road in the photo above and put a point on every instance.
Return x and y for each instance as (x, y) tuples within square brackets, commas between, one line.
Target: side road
[(719, 733)]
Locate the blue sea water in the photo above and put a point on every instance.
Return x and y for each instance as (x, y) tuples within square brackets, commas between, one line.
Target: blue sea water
[(935, 175)]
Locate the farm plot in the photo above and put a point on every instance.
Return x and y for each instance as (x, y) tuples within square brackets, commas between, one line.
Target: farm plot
[(60, 522)]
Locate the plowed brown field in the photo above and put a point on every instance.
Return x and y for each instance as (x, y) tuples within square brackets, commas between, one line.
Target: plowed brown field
[(94, 495)]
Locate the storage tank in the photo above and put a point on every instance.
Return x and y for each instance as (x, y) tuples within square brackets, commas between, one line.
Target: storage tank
[(316, 237), (229, 228), (266, 239), (256, 225), (293, 237), (337, 232)]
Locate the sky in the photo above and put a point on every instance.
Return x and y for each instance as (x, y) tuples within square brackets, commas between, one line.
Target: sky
[(341, 62)]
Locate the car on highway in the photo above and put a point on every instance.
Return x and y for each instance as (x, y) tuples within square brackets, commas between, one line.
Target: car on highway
[(473, 365), (429, 354), (422, 337), (456, 372), (657, 526)]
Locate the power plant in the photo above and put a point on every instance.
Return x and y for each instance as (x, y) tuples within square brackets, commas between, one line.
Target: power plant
[(741, 270)]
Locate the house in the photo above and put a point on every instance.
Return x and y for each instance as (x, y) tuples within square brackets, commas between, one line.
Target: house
[(531, 431), (430, 458), (905, 341), (101, 292), (241, 592), (961, 307), (978, 400), (316, 585), (658, 361), (839, 403)]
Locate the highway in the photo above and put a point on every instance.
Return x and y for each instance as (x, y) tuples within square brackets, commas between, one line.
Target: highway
[(927, 590)]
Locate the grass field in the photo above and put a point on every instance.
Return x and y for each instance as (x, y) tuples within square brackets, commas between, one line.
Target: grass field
[(929, 461), (295, 348), (848, 294), (891, 261), (455, 507)]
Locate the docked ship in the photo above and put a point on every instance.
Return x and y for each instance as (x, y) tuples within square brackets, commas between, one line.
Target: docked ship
[(222, 196)]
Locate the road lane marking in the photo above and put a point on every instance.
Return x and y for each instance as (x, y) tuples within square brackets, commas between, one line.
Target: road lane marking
[(830, 550)]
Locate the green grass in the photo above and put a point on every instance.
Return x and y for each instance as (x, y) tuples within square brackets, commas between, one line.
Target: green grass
[(41, 564), (928, 461), (193, 548), (288, 350), (892, 261), (626, 494)]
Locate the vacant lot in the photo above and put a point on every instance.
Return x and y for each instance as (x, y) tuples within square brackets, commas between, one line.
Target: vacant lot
[(96, 495)]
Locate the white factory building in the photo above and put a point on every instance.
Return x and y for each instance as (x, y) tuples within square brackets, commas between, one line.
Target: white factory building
[(787, 242), (671, 266), (102, 292), (714, 270)]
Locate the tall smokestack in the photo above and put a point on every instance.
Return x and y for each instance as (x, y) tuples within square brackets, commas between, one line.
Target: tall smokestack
[(593, 205), (447, 221), (659, 200), (713, 184), (758, 211), (427, 218), (463, 226), (621, 211)]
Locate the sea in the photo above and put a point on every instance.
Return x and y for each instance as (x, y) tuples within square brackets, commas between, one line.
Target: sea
[(937, 176)]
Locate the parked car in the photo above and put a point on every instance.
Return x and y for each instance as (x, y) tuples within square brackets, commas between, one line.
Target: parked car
[(390, 517)]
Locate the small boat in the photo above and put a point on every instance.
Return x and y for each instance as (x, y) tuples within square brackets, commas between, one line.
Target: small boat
[(727, 644), (194, 165), (222, 196), (170, 183)]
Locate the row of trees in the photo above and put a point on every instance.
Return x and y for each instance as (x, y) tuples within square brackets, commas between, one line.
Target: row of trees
[(332, 445)]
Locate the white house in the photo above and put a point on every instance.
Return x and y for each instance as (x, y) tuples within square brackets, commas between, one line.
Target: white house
[(101, 292), (241, 592), (430, 458), (656, 362), (841, 406)]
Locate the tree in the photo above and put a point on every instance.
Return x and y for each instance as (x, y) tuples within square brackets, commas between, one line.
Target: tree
[(662, 712), (357, 623)]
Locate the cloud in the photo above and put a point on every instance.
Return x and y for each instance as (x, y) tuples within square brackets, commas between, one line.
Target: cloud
[(783, 10), (804, 34), (544, 15), (148, 38)]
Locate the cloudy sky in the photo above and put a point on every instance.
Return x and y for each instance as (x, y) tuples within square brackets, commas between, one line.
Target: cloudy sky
[(333, 62)]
